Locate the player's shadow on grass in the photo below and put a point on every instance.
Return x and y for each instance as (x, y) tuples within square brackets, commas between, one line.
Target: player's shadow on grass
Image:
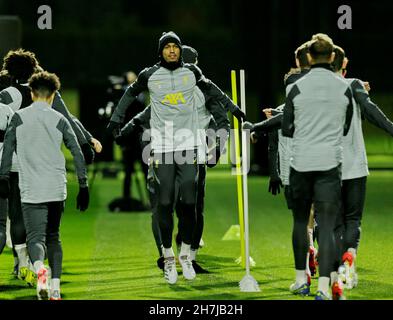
[(95, 259), (361, 270), (12, 287), (224, 296), (34, 297), (214, 264), (379, 289), (31, 297), (99, 269)]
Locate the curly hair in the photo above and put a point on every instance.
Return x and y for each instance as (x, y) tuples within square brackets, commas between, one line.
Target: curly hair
[(301, 55), (5, 79), (337, 63), (43, 84), (20, 64)]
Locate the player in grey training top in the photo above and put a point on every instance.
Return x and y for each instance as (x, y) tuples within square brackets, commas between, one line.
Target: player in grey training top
[(20, 65), (6, 114), (208, 115), (36, 133), (317, 113), (173, 115), (279, 149), (355, 168)]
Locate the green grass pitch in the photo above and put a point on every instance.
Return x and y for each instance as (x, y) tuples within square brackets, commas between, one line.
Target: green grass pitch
[(113, 256)]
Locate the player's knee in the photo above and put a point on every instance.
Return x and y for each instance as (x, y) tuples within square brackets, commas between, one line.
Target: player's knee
[(165, 205), (3, 239), (53, 238)]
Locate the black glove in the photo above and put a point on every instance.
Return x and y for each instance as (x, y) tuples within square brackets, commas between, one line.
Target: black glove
[(274, 186), (82, 200), (214, 155), (4, 187), (239, 114), (113, 128), (248, 126), (2, 135), (121, 140), (88, 153)]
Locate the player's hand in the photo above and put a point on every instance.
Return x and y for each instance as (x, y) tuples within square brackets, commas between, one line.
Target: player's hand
[(248, 126), (121, 140), (267, 112), (83, 198), (274, 186), (366, 85), (113, 128), (253, 137), (214, 155), (88, 153), (239, 114), (4, 187), (97, 146)]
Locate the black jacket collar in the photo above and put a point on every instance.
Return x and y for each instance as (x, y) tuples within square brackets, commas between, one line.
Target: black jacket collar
[(172, 65), (322, 65)]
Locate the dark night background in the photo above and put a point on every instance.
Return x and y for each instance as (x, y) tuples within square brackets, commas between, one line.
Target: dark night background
[(91, 40)]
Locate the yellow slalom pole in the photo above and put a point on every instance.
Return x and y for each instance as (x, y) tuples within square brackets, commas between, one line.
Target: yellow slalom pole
[(238, 174)]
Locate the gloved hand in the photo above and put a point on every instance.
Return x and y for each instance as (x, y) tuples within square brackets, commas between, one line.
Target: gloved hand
[(2, 135), (121, 140), (248, 126), (253, 137), (82, 200), (113, 128), (239, 114), (214, 155), (274, 186), (88, 153), (4, 187)]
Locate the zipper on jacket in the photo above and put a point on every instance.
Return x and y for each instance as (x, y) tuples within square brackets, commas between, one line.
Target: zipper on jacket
[(172, 81)]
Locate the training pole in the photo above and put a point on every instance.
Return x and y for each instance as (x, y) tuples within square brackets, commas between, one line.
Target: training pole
[(238, 173), (248, 283), (245, 173)]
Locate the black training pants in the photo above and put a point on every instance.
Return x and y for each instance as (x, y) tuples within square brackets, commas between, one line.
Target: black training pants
[(200, 205), (17, 226), (3, 223), (168, 173), (324, 189), (353, 198), (43, 235)]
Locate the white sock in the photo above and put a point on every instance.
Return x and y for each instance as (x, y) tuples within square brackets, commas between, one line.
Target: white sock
[(38, 265), (31, 267), (323, 284), (333, 277), (55, 284), (16, 261), (168, 252), (23, 257), (301, 276), (353, 251), (185, 250), (310, 237), (193, 254)]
